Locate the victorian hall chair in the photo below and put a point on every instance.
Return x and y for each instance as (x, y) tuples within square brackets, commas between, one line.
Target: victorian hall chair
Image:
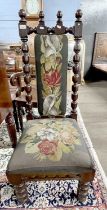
[(51, 146)]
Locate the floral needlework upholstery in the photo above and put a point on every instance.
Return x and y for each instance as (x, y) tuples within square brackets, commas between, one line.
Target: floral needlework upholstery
[(51, 53), (55, 143)]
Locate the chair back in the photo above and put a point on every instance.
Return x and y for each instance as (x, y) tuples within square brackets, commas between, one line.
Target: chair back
[(51, 54)]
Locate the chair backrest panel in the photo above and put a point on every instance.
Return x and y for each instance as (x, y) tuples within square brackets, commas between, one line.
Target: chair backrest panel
[(51, 55), (60, 76)]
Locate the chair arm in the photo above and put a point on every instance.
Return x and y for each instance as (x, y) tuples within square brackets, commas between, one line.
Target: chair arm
[(15, 80)]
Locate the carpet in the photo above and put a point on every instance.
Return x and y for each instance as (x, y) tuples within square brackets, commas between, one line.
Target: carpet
[(53, 194)]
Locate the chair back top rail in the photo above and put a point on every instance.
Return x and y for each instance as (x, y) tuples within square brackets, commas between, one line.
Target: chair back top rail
[(25, 30)]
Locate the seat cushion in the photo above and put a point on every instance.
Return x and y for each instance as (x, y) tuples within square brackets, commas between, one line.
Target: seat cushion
[(49, 145)]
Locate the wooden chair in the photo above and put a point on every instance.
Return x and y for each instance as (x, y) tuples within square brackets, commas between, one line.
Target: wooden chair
[(18, 99), (51, 145), (6, 110)]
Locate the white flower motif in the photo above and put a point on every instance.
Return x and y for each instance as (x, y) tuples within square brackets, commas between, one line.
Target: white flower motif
[(49, 134), (7, 191), (41, 188), (41, 202)]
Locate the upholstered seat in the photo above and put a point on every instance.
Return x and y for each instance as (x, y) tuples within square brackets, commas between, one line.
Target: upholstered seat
[(50, 144)]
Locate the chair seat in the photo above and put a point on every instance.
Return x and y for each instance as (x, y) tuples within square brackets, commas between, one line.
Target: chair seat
[(50, 145)]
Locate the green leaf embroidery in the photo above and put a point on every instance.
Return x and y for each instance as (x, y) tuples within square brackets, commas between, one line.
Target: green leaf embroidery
[(65, 148), (57, 103)]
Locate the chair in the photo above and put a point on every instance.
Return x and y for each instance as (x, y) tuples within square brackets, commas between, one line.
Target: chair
[(51, 145), (18, 98), (6, 102)]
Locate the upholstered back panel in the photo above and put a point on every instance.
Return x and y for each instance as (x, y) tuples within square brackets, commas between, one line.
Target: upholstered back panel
[(51, 53)]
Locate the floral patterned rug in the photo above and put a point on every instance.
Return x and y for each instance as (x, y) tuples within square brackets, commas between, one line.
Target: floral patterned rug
[(50, 194)]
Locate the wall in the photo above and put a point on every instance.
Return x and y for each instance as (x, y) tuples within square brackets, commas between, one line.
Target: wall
[(9, 21), (94, 19), (68, 8)]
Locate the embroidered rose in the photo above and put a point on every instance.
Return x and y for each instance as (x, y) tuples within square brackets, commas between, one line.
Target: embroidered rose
[(70, 136), (52, 78), (47, 147)]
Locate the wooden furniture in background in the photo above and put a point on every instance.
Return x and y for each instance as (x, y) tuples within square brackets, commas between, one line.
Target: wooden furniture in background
[(99, 60), (12, 58), (6, 102), (51, 155)]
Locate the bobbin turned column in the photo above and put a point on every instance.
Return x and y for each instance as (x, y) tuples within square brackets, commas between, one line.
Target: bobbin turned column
[(82, 191), (21, 193), (23, 30), (76, 59)]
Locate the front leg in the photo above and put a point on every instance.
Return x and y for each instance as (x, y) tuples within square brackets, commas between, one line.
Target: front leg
[(19, 108), (21, 193), (15, 114), (82, 191)]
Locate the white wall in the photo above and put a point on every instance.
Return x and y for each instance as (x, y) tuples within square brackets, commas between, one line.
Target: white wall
[(9, 21)]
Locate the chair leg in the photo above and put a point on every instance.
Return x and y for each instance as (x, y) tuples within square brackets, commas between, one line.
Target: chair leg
[(82, 191), (11, 129), (15, 114), (20, 116), (21, 193)]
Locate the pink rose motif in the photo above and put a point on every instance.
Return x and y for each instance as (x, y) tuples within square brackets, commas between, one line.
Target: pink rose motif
[(53, 78), (48, 147)]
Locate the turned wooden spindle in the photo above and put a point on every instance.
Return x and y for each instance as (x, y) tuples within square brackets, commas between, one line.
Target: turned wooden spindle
[(82, 191), (21, 193), (59, 28), (41, 28), (41, 17), (26, 67), (76, 59), (59, 17)]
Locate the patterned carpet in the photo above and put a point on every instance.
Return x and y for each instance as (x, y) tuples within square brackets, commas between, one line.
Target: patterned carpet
[(51, 194)]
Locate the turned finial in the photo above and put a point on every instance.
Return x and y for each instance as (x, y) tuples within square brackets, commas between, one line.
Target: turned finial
[(59, 14), (22, 13), (59, 28), (78, 14), (41, 15), (41, 28)]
